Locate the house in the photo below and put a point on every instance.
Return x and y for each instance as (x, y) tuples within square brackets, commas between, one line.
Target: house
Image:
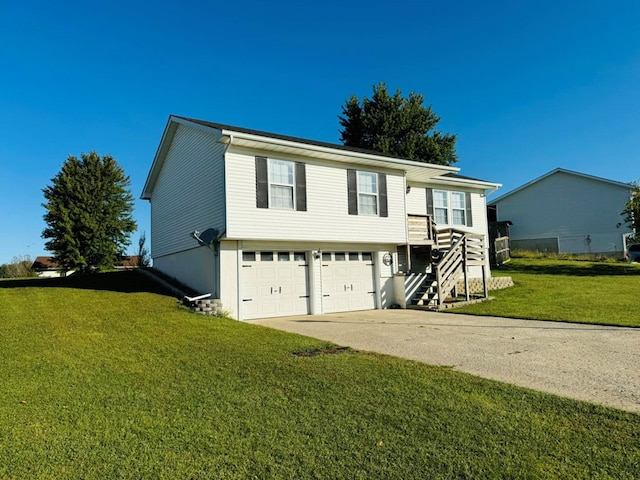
[(46, 267), (275, 225), (566, 212)]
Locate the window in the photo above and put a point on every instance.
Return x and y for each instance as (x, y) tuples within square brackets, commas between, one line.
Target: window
[(299, 256), (326, 256), (340, 256), (367, 193), (441, 207), (283, 256), (266, 256), (354, 256), (449, 208), (458, 209), (281, 184), (248, 256)]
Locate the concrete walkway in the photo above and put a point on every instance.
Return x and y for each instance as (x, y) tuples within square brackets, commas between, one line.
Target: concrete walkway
[(587, 362)]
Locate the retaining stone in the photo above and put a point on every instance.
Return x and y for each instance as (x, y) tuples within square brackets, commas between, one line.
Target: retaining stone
[(493, 283)]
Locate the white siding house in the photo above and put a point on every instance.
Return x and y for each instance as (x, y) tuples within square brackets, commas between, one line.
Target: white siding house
[(275, 225), (567, 212)]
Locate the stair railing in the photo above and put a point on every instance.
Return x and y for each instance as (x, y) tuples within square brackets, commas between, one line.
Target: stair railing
[(453, 264)]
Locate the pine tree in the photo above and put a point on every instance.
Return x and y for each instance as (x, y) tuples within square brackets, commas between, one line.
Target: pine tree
[(89, 213), (631, 212), (396, 126)]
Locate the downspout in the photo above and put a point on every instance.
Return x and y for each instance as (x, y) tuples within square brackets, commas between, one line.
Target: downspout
[(406, 222)]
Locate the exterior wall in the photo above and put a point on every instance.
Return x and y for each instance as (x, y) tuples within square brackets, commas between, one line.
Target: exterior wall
[(417, 200), (326, 219), (198, 268), (582, 213), (53, 273), (229, 266), (189, 192)]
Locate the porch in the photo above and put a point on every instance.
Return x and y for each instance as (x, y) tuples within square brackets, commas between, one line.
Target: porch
[(435, 263)]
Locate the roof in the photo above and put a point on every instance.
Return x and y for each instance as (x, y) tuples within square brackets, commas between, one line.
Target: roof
[(47, 263), (628, 186), (261, 140), (44, 263)]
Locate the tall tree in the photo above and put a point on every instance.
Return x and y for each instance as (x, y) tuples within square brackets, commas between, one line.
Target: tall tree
[(397, 126), (144, 256), (89, 213), (631, 212)]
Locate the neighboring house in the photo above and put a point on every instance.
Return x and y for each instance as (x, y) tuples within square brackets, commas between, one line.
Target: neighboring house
[(275, 225), (567, 212), (46, 267)]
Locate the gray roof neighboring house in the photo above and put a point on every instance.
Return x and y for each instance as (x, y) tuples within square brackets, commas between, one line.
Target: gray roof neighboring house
[(552, 172)]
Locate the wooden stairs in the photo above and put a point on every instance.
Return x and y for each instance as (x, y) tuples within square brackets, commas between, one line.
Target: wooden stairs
[(456, 251)]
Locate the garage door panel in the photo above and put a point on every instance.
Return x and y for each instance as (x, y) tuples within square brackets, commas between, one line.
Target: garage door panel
[(272, 287), (348, 282)]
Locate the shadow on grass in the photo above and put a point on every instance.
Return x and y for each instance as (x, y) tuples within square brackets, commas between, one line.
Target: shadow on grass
[(575, 269), (128, 281)]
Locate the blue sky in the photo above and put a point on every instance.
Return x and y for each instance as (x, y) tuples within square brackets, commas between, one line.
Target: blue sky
[(528, 86)]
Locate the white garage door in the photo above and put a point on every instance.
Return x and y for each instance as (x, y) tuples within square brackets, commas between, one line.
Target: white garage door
[(274, 284), (347, 281)]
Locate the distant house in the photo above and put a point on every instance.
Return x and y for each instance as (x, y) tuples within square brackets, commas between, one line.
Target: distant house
[(566, 212), (46, 267), (274, 225)]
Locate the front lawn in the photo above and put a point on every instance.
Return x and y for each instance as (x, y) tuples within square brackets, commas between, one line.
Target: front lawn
[(102, 379), (568, 290)]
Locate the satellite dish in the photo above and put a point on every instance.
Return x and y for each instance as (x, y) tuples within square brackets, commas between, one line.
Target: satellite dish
[(208, 236)]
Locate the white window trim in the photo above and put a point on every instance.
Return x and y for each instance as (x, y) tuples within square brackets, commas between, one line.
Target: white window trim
[(376, 194), (291, 185), (450, 209), (463, 209)]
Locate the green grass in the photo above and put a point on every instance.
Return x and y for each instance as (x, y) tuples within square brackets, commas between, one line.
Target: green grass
[(102, 379), (565, 290)]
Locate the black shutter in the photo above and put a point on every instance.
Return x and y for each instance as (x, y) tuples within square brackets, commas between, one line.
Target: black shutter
[(352, 190), (429, 201), (382, 194), (301, 187), (262, 183), (467, 203)]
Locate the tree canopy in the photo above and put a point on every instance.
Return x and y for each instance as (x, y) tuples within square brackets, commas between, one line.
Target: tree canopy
[(89, 213), (631, 212), (18, 268), (396, 125)]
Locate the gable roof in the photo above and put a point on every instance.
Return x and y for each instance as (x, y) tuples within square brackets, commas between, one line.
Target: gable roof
[(44, 263), (256, 139), (627, 186)]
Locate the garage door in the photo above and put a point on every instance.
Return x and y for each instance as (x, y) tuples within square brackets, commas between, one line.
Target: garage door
[(347, 281), (274, 284)]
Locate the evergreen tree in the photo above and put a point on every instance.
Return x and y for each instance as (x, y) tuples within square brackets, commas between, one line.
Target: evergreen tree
[(89, 213), (396, 126), (631, 212)]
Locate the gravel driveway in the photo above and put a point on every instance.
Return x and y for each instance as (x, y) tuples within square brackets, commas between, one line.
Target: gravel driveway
[(587, 362)]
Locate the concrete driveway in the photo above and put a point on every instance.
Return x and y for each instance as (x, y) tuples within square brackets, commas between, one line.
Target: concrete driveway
[(587, 362)]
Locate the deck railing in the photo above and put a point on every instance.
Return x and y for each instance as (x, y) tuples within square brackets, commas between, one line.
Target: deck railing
[(421, 229)]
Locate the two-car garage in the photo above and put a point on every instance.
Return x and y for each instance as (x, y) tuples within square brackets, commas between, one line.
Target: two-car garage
[(281, 282)]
